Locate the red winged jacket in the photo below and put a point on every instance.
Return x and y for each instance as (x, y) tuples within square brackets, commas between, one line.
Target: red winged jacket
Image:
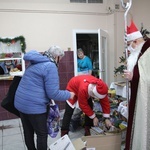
[(79, 85)]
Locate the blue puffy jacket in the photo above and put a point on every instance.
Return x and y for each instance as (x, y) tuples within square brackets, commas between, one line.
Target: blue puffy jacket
[(39, 84)]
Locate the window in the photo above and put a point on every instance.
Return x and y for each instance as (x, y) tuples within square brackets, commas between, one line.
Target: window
[(95, 1), (11, 56), (86, 1), (78, 1)]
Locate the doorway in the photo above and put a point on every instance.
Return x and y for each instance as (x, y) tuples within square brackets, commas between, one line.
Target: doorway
[(89, 44), (94, 45)]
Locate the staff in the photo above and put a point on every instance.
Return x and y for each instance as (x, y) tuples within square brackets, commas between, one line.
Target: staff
[(126, 6)]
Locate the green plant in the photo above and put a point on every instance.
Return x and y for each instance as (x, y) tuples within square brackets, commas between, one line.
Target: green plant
[(119, 70)]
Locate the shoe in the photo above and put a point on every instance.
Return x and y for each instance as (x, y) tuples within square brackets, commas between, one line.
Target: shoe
[(87, 131), (63, 132)]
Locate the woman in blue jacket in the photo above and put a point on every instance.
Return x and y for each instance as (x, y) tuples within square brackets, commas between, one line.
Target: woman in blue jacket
[(39, 84)]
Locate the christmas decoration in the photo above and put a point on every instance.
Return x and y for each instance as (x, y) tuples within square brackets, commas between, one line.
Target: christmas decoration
[(144, 32), (120, 69), (10, 41), (13, 42), (8, 44)]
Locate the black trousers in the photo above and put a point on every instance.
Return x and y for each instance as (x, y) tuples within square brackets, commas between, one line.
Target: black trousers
[(35, 123), (68, 114), (1, 71)]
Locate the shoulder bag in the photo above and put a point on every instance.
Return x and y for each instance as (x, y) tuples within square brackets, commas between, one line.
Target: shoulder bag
[(8, 102)]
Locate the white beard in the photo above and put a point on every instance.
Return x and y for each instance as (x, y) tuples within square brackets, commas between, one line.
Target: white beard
[(132, 59)]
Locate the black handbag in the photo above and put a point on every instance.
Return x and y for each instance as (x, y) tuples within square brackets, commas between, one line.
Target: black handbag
[(8, 102)]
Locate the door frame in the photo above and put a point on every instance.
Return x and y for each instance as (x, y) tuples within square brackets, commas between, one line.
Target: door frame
[(99, 32), (103, 48), (77, 31)]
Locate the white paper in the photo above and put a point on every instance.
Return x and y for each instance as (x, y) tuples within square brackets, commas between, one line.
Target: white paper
[(64, 143)]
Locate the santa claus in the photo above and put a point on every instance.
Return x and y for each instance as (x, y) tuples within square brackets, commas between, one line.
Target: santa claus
[(138, 73), (85, 88)]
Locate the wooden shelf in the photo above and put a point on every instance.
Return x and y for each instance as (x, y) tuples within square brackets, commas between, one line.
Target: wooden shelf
[(120, 83), (6, 77)]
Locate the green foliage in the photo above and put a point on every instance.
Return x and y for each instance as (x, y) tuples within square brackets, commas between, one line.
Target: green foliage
[(9, 41), (122, 59), (119, 70)]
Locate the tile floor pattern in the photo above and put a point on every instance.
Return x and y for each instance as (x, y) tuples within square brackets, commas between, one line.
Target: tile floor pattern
[(11, 135)]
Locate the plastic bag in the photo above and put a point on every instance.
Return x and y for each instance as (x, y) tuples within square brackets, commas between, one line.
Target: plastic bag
[(53, 120), (123, 109)]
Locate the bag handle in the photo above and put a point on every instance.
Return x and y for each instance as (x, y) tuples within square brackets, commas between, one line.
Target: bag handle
[(52, 102)]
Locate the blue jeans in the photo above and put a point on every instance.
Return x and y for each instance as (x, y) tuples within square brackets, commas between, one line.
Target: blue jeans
[(35, 123)]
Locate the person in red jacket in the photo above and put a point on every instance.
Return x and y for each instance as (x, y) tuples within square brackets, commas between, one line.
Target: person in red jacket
[(85, 88)]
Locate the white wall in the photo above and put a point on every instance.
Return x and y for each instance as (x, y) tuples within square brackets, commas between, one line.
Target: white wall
[(141, 13), (43, 24), (47, 22)]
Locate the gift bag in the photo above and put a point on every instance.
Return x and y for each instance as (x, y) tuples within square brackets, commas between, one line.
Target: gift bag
[(8, 102), (53, 120)]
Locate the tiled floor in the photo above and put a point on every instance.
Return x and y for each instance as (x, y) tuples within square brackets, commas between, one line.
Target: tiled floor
[(11, 135)]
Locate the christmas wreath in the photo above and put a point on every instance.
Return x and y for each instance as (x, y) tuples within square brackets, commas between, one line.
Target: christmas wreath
[(10, 41)]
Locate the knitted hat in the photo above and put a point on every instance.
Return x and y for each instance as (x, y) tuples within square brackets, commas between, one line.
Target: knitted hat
[(100, 90), (132, 32)]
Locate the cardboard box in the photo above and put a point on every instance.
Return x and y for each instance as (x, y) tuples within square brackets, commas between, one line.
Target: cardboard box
[(103, 142), (108, 141), (64, 143), (79, 144)]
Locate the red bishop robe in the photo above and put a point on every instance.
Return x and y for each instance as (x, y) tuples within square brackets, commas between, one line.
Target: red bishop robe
[(133, 98)]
